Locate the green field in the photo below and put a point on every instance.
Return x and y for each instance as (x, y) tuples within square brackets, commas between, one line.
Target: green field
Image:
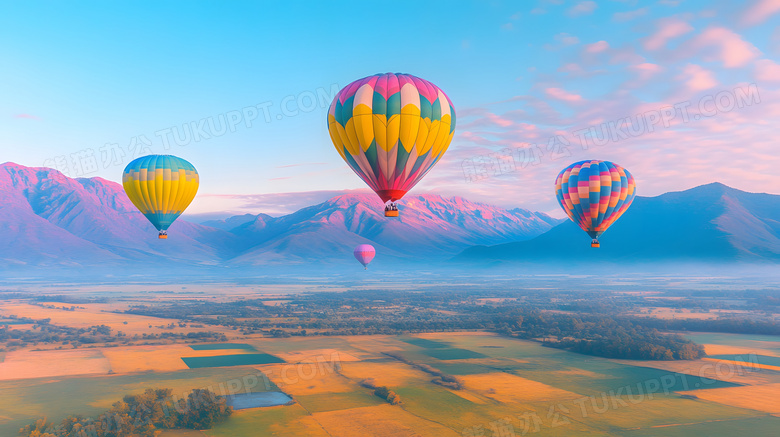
[(361, 397), (760, 359), (425, 343), (24, 401), (222, 346), (757, 426), (453, 354), (230, 360), (741, 340), (281, 421)]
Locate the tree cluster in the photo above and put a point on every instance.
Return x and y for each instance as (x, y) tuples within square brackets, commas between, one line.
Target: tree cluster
[(140, 415), (382, 391)]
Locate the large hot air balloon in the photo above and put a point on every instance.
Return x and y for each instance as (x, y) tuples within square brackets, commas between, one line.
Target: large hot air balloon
[(594, 194), (364, 254), (161, 187), (391, 129)]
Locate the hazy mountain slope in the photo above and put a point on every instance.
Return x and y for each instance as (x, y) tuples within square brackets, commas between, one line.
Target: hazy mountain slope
[(708, 223), (429, 226), (93, 220), (50, 219)]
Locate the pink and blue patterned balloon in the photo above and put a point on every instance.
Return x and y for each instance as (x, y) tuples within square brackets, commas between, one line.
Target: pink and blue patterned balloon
[(594, 194)]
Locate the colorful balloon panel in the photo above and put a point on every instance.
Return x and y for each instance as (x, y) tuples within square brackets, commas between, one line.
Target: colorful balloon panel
[(161, 187), (364, 254), (391, 129), (594, 194)]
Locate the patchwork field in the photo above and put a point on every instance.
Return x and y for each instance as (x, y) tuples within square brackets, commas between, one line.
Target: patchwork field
[(87, 315), (754, 397), (24, 364), (506, 385)]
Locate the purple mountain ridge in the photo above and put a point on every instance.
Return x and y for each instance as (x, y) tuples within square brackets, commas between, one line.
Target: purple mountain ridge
[(711, 223), (48, 219)]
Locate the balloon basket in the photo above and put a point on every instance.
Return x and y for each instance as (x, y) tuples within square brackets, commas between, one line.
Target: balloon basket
[(163, 236), (595, 244), (391, 213)]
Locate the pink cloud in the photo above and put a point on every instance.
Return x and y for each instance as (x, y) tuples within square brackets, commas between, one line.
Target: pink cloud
[(741, 142), (582, 8), (767, 70), (597, 47), (760, 11), (625, 55), (566, 39), (562, 40), (27, 116), (561, 94), (571, 68), (721, 44), (503, 122), (646, 70), (668, 28), (698, 78)]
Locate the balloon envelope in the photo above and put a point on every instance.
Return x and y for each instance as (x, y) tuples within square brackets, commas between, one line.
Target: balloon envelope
[(594, 194), (391, 129), (364, 254), (161, 187)]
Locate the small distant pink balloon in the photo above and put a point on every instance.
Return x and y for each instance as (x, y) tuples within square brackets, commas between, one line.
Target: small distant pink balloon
[(364, 254)]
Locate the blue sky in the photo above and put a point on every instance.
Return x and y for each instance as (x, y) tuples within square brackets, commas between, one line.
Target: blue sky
[(79, 77)]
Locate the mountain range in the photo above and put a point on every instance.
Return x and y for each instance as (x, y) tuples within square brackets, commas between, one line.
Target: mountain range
[(709, 223), (48, 219)]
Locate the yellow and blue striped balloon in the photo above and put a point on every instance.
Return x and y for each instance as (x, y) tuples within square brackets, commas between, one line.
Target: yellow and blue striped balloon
[(161, 187)]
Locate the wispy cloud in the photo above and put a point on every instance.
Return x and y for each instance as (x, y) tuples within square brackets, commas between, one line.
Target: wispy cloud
[(582, 8), (629, 15), (760, 11), (646, 70), (767, 71), (597, 47), (274, 204), (27, 116), (667, 29), (724, 45), (698, 78), (562, 40), (561, 94)]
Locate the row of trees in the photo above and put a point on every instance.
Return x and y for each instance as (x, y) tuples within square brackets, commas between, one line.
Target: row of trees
[(381, 391), (42, 332), (439, 377), (618, 337)]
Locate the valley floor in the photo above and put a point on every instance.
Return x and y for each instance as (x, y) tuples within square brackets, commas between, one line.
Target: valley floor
[(508, 386)]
